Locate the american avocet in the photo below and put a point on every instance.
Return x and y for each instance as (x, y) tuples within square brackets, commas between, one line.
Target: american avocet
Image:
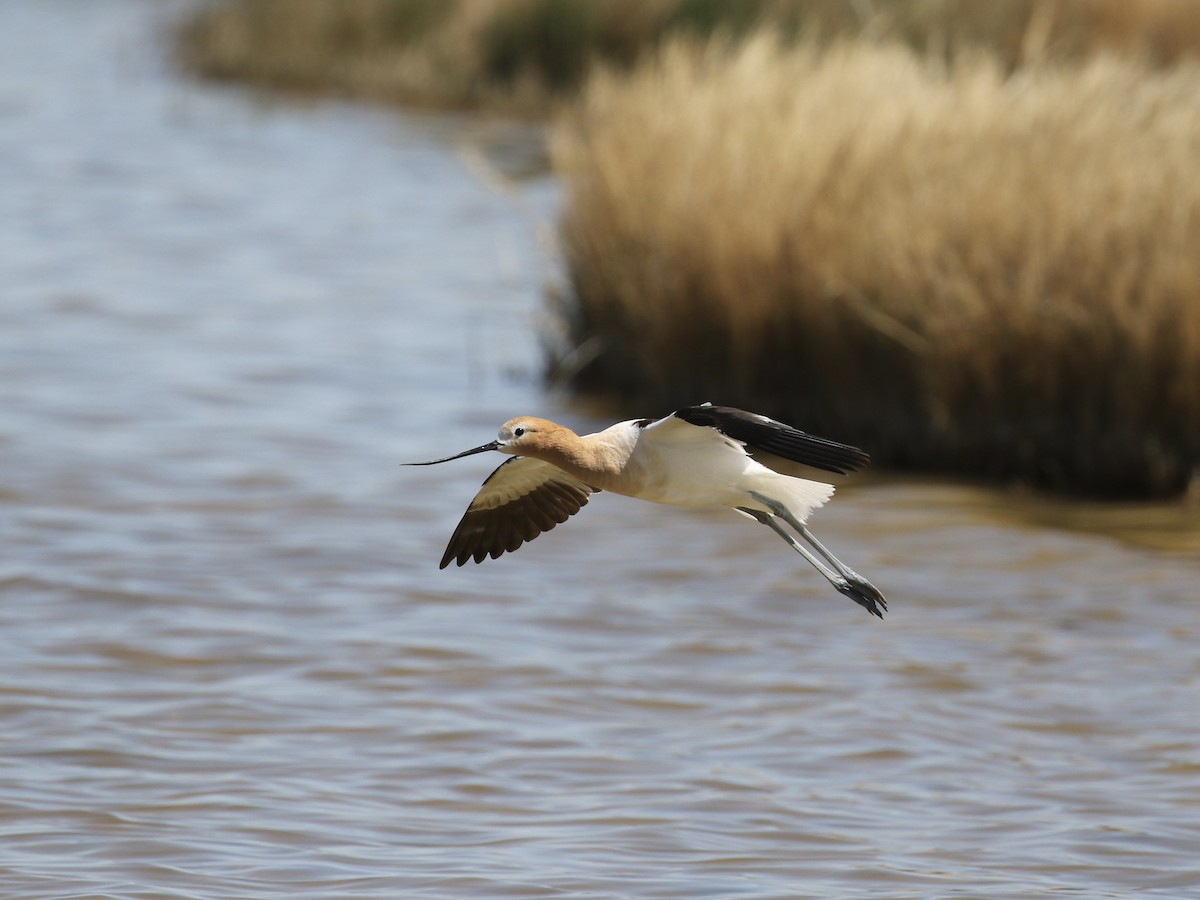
[(697, 456)]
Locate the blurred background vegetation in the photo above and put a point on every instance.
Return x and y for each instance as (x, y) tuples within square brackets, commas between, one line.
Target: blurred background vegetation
[(522, 55), (962, 233)]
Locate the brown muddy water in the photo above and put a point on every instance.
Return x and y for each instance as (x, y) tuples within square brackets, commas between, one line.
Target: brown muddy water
[(229, 666)]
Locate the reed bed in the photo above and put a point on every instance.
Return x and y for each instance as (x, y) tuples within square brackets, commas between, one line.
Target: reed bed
[(958, 266), (960, 232), (525, 55), (515, 56)]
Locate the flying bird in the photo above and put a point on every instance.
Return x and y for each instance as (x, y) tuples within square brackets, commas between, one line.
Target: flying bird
[(699, 456)]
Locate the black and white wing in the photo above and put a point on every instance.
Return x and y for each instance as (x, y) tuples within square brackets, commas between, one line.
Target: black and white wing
[(521, 499), (764, 434)]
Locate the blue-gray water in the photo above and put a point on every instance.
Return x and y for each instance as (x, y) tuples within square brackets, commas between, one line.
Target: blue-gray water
[(229, 666)]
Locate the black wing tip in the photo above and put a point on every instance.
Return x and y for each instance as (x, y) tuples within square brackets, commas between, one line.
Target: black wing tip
[(856, 458), (766, 434)]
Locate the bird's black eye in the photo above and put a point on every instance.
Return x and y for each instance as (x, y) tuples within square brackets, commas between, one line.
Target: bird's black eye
[(519, 431)]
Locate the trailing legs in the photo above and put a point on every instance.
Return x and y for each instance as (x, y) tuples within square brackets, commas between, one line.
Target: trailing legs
[(841, 576)]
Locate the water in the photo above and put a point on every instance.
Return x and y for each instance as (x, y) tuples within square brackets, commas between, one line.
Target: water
[(230, 668)]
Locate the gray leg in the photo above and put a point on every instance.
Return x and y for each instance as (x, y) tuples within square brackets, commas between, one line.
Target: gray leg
[(842, 569), (769, 520), (846, 580), (847, 586)]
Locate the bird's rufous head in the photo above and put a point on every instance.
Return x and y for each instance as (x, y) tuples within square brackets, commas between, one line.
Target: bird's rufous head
[(528, 435)]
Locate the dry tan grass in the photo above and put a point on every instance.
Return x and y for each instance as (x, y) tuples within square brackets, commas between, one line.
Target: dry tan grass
[(984, 264), (516, 56), (1159, 32), (522, 55), (362, 48), (958, 268)]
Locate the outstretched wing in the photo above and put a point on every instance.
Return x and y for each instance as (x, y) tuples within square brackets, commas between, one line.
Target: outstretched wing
[(760, 433), (517, 502)]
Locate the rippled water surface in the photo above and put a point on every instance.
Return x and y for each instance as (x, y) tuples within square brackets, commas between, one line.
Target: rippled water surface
[(229, 666)]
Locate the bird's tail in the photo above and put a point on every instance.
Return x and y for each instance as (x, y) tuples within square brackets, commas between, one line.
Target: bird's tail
[(800, 495)]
